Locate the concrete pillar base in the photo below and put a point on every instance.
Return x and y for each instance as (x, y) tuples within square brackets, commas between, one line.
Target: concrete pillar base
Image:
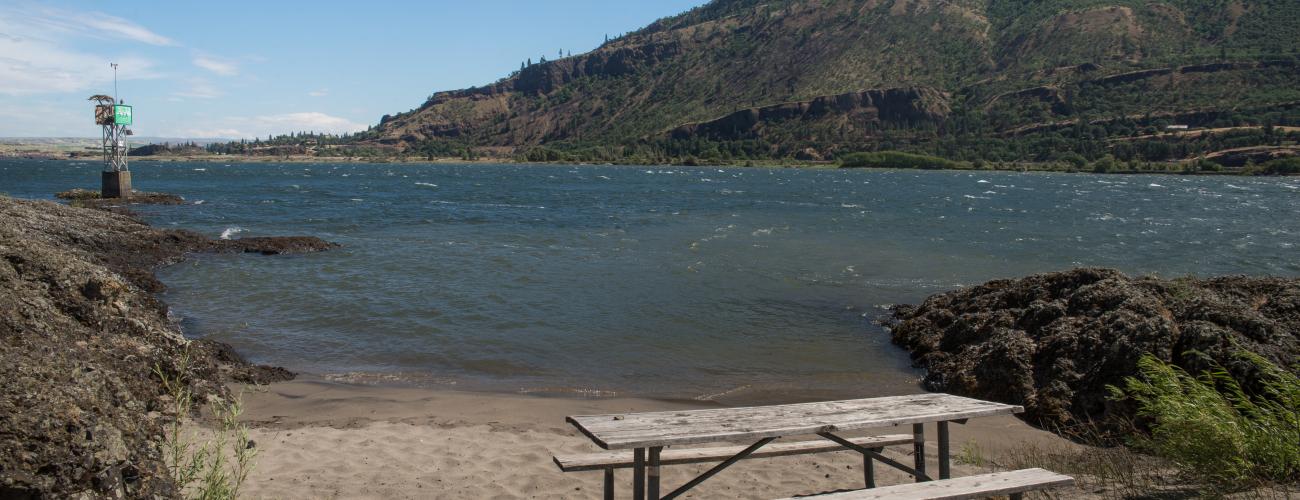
[(116, 185)]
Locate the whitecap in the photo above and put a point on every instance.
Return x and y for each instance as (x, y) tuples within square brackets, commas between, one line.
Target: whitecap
[(200, 170), (981, 181), (428, 184), (200, 202), (231, 231), (1154, 185)]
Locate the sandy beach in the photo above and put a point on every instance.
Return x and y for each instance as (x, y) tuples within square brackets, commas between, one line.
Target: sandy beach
[(323, 439)]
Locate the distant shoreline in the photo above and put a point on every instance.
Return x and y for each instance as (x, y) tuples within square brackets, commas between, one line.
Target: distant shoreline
[(825, 165)]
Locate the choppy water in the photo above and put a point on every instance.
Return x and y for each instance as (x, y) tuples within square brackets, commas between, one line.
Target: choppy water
[(665, 281)]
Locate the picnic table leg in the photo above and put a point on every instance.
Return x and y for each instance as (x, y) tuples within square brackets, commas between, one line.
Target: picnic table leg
[(945, 468), (609, 483), (638, 474), (653, 487), (918, 448), (869, 468)]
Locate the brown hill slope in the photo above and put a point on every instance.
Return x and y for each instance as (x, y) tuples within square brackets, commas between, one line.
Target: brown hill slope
[(735, 58)]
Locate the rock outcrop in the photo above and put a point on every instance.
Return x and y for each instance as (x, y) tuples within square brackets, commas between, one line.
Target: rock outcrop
[(1054, 342), (896, 106), (81, 334)]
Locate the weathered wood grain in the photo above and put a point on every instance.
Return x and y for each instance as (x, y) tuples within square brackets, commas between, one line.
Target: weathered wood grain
[(623, 459), (969, 487), (639, 430)]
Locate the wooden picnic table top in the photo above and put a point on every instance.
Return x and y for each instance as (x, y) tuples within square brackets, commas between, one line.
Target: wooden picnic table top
[(665, 428)]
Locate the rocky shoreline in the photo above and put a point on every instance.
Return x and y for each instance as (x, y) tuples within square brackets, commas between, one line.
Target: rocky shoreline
[(1054, 342), (81, 334)]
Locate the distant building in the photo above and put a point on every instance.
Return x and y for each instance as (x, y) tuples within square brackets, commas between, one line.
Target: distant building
[(1175, 127)]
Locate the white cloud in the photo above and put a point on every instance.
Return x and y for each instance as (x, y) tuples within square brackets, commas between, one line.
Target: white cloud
[(319, 93), (308, 121), (33, 59), (262, 126), (220, 67), (43, 22), (116, 27)]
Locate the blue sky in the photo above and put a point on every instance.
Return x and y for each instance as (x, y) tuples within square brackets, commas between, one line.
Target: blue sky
[(245, 68)]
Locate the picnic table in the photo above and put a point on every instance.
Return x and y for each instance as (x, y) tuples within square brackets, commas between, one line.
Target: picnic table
[(648, 433)]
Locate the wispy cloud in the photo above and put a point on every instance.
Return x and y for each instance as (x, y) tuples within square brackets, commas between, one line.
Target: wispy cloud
[(199, 88), (44, 22), (319, 93), (264, 125), (34, 58), (117, 27), (218, 66), (308, 121)]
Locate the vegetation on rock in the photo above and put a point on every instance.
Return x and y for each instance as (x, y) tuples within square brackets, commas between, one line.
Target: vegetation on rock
[(1055, 342)]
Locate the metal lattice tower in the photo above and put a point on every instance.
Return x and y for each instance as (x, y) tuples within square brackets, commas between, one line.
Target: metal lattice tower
[(115, 148), (114, 116)]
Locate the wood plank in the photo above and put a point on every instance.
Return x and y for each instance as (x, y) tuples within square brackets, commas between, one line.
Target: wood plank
[(623, 459), (969, 487), (639, 430)]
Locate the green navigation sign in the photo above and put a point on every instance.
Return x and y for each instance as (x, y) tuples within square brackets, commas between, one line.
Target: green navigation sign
[(122, 114)]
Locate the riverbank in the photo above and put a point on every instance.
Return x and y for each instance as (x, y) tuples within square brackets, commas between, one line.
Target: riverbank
[(1171, 168), (320, 439)]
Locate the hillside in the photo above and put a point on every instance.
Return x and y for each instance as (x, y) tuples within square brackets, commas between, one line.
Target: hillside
[(996, 80)]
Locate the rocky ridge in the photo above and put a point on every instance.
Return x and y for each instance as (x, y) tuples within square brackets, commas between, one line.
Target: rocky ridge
[(81, 333)]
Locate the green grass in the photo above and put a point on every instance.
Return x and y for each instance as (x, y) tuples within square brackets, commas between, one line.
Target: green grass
[(1211, 428)]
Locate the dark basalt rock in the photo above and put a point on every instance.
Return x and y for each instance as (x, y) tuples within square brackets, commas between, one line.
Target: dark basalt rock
[(1054, 342), (86, 198), (81, 410), (275, 245), (899, 105)]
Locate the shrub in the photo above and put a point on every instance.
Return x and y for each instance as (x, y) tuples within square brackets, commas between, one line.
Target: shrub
[(540, 154), (1209, 426), (895, 159), (214, 469), (1283, 166)]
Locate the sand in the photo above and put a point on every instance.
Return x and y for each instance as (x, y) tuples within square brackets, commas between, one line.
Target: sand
[(320, 439)]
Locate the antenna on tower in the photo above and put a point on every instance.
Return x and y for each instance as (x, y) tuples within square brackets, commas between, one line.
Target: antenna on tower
[(113, 115)]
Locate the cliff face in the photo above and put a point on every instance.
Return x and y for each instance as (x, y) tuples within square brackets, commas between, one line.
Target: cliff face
[(80, 338), (897, 106)]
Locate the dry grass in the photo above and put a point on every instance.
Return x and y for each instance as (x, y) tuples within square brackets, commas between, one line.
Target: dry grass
[(1115, 472)]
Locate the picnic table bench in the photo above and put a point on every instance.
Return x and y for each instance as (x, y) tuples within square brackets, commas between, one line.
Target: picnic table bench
[(647, 434)]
